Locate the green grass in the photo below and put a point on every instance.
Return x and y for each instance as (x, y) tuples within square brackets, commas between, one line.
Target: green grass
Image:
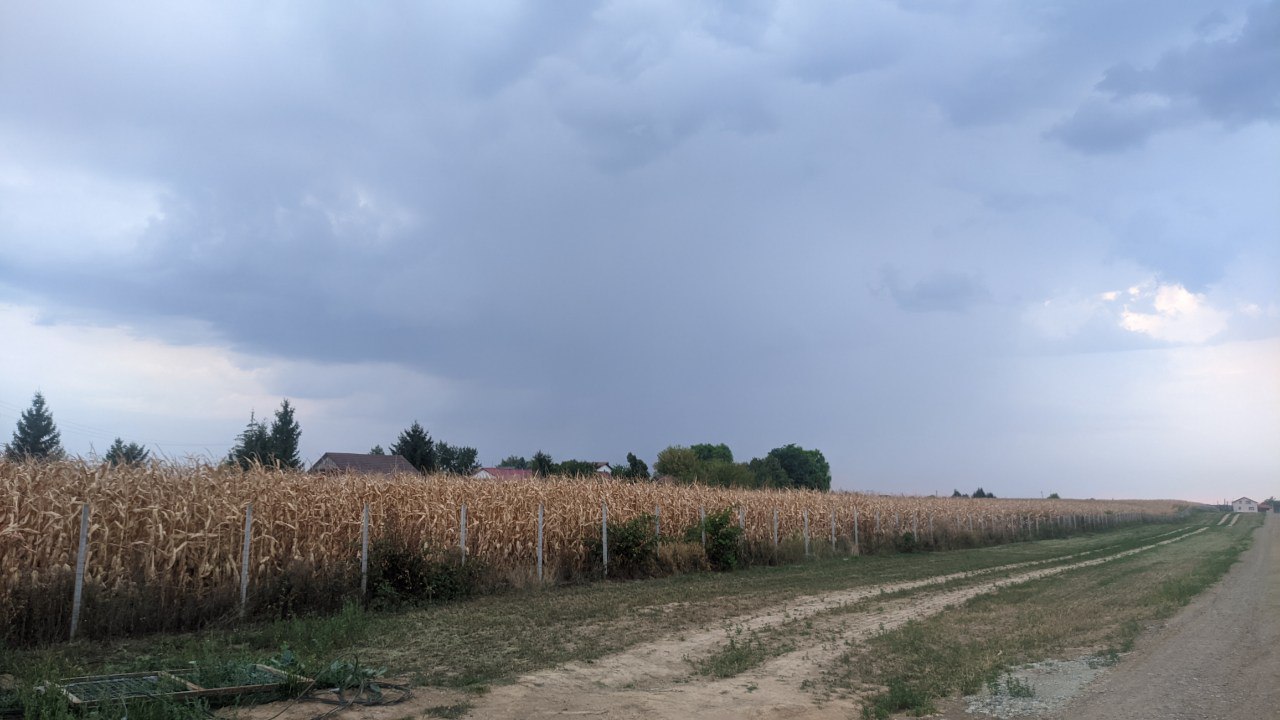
[(1100, 609), (741, 653), (474, 643)]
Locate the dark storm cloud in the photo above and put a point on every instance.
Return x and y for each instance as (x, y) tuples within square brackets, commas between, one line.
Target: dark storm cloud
[(942, 291), (610, 226), (1230, 80)]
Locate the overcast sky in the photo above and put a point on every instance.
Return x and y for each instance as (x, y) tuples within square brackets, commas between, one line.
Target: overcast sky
[(1032, 247)]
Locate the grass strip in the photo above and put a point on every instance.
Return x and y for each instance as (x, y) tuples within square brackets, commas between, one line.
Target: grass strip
[(491, 639), (1100, 608)]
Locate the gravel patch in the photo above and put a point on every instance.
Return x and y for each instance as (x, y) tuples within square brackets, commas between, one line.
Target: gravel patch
[(1038, 688)]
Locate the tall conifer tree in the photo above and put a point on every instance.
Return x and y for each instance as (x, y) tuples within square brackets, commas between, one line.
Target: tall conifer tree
[(415, 446), (36, 437), (285, 436)]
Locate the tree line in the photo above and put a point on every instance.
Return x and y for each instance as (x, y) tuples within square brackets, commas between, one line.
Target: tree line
[(37, 438), (276, 444), (789, 466)]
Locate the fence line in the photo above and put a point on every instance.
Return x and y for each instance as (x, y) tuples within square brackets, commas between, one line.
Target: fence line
[(1012, 528)]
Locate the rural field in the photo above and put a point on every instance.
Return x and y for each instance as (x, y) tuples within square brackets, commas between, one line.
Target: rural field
[(922, 601)]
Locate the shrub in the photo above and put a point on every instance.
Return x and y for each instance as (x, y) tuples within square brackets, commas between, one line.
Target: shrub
[(633, 549), (400, 573), (724, 539)]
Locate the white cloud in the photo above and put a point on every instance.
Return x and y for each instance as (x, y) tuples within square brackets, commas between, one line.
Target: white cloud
[(55, 214), (1174, 314)]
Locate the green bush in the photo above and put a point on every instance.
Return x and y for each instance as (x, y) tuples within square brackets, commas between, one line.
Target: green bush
[(401, 573), (633, 549), (724, 539)]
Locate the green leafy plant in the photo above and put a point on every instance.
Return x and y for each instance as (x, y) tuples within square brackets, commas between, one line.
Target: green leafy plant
[(900, 696), (349, 678), (633, 548), (724, 539), (401, 573)]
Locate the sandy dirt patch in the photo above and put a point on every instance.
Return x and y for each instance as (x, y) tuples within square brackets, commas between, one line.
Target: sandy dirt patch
[(656, 680)]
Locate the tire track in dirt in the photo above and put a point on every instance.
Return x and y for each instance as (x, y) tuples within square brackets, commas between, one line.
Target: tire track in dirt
[(654, 680)]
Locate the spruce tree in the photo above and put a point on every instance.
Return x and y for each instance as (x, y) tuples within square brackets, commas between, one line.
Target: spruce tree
[(414, 445), (36, 438), (253, 445), (285, 436), (121, 453)]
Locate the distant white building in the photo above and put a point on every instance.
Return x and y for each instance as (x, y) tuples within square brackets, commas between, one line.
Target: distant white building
[(1244, 504)]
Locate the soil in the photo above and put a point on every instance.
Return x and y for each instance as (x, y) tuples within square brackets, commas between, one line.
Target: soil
[(1218, 659), (657, 679)]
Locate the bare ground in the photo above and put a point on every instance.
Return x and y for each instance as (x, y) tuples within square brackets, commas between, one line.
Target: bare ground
[(657, 680), (1219, 658)]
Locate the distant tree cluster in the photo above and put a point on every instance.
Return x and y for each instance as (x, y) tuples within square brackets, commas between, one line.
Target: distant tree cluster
[(980, 493), (786, 466), (514, 462), (432, 456), (274, 445), (122, 453), (37, 438)]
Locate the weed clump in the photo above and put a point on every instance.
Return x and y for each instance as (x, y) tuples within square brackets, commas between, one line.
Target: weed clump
[(723, 540), (401, 573), (633, 549), (901, 696)]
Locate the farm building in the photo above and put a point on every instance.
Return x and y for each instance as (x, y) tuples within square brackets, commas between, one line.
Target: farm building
[(501, 473), (362, 463), (1244, 504)]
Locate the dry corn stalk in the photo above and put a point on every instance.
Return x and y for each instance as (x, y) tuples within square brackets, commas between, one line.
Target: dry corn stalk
[(179, 527)]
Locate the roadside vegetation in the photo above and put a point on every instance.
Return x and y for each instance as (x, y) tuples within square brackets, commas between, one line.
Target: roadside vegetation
[(1098, 612), (473, 643)]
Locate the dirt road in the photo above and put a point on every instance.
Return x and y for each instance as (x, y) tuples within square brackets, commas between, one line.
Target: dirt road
[(1219, 658), (654, 681), (657, 680)]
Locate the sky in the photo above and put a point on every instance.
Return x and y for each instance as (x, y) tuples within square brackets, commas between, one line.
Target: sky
[(1029, 247)]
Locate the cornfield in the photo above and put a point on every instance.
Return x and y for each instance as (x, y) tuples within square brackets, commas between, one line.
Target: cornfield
[(172, 535)]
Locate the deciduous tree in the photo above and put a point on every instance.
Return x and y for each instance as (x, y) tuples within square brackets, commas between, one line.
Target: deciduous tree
[(514, 461), (768, 472), (804, 468), (541, 464), (679, 462), (707, 452), (458, 460)]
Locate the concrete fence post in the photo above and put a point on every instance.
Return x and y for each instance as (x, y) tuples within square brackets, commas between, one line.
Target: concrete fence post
[(244, 559), (77, 596)]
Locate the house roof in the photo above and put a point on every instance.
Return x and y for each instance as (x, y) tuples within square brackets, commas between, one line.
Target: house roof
[(363, 463), (504, 473), (1243, 499)]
